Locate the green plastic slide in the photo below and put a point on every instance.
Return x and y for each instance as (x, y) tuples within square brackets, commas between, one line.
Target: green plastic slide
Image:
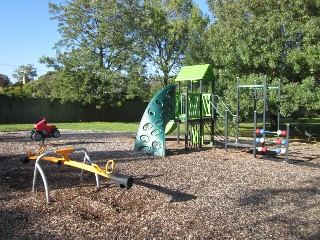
[(170, 127)]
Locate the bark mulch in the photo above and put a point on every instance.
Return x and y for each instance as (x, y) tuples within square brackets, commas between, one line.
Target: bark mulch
[(207, 194)]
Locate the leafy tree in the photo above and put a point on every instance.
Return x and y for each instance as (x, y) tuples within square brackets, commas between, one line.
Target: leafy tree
[(43, 87), (14, 91), (50, 62), (5, 80), (166, 30), (197, 52), (28, 71), (97, 49), (111, 47), (279, 39)]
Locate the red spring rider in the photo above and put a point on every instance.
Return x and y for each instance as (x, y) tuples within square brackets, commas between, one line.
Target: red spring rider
[(42, 130)]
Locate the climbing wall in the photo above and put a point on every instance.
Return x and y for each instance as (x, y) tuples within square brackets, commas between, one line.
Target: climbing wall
[(150, 137)]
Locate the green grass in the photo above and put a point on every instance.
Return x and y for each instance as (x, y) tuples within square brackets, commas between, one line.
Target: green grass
[(304, 121), (97, 126), (15, 127), (244, 130)]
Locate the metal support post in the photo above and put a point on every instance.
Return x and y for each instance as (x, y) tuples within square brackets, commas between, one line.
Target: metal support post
[(237, 113), (226, 131), (201, 134), (212, 120), (264, 102), (37, 168), (279, 104), (255, 134), (85, 159), (287, 145), (186, 121), (179, 98), (212, 113)]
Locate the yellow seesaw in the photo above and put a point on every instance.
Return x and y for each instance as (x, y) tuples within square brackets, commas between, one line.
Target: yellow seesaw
[(61, 157)]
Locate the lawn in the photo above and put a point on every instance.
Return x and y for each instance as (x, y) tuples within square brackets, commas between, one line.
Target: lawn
[(245, 129), (95, 126)]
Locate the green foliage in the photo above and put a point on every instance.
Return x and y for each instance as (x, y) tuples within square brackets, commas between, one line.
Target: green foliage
[(196, 52), (302, 98), (166, 29), (93, 126), (108, 49), (279, 39), (112, 50), (97, 55), (165, 34), (27, 71), (14, 91), (42, 87), (6, 80)]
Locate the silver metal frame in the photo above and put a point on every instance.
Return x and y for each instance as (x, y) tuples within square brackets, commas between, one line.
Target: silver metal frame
[(44, 179)]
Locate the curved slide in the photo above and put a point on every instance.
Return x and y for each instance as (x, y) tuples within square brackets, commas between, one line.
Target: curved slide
[(171, 126), (150, 137)]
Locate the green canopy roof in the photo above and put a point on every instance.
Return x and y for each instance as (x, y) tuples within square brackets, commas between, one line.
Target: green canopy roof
[(195, 73)]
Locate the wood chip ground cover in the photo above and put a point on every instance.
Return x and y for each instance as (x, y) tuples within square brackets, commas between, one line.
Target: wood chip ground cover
[(207, 194)]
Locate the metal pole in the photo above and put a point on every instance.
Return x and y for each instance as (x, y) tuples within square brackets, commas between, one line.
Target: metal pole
[(226, 130), (45, 182), (186, 121), (254, 134), (287, 145), (237, 113), (264, 102), (178, 104), (178, 132), (212, 119), (255, 97), (44, 179), (212, 113), (87, 158), (279, 105), (200, 119)]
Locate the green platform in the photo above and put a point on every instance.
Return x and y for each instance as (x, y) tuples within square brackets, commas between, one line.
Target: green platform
[(150, 137)]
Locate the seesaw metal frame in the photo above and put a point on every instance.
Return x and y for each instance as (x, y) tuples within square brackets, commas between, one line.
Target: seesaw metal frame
[(61, 158)]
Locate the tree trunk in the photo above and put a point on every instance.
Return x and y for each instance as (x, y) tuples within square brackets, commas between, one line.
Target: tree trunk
[(274, 122), (101, 64)]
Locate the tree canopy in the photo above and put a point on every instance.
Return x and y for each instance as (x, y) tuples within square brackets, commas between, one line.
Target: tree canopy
[(111, 50), (28, 71), (97, 42), (279, 39), (166, 32)]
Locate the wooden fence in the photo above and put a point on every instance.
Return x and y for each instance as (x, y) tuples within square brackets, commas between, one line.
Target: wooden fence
[(32, 110)]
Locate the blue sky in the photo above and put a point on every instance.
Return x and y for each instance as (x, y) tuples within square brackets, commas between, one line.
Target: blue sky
[(27, 33)]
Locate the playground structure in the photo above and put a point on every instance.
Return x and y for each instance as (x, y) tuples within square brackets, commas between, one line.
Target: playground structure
[(186, 103), (257, 131), (282, 145), (41, 131), (172, 106), (62, 157)]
